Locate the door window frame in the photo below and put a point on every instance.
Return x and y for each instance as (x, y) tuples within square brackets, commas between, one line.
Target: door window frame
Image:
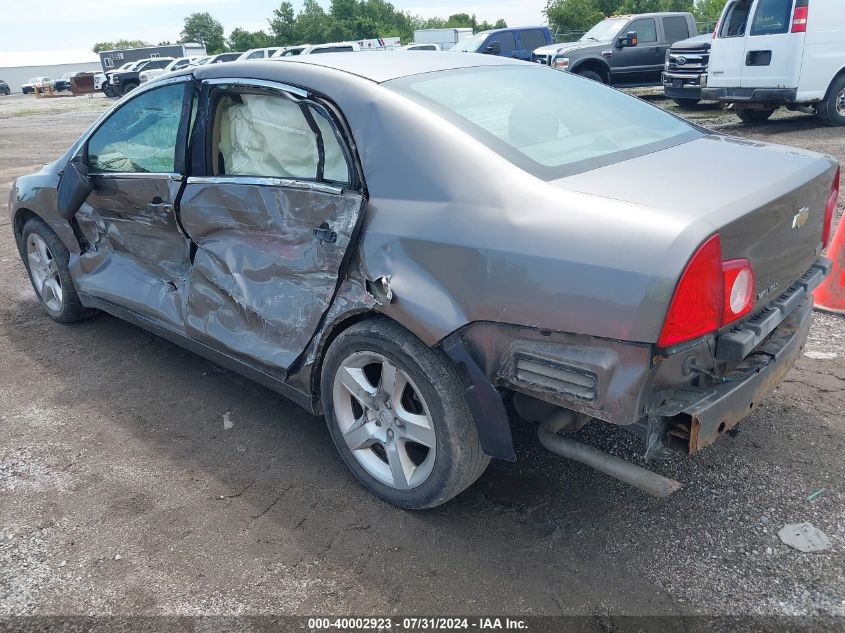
[(640, 40), (180, 159), (201, 142)]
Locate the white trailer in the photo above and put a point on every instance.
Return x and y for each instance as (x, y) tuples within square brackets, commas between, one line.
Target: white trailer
[(445, 38)]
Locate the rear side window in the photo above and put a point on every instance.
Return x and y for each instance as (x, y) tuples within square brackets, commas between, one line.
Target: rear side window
[(676, 29), (333, 49), (772, 17), (646, 30), (736, 19), (506, 41), (533, 39), (273, 136)]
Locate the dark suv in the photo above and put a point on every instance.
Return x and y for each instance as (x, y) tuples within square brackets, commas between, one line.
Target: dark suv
[(4, 88), (122, 82), (518, 43), (624, 50)]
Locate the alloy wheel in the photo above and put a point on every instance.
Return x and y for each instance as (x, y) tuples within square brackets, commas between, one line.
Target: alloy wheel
[(840, 103), (45, 272), (384, 420)]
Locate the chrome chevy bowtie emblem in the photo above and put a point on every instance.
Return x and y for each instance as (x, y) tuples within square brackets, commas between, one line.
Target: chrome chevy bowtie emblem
[(801, 218)]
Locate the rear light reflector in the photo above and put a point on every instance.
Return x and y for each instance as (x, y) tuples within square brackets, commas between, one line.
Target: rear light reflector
[(830, 210), (696, 307), (739, 289), (799, 17)]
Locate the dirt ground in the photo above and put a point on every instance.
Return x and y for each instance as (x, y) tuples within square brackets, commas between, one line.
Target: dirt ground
[(121, 492)]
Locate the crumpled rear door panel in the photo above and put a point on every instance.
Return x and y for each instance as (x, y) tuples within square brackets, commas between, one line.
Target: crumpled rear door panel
[(261, 279)]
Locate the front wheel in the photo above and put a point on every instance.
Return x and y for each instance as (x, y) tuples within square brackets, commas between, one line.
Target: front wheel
[(129, 88), (589, 74), (396, 413), (46, 261), (752, 117), (832, 109)]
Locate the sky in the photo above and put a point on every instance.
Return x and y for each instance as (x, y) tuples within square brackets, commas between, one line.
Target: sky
[(78, 24)]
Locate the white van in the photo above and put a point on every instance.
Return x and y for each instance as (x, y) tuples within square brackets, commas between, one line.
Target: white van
[(258, 53), (772, 53)]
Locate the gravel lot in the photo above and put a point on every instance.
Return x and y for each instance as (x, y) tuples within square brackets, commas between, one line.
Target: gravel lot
[(122, 493)]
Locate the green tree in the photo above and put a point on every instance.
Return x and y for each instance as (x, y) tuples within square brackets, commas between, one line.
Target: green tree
[(312, 23), (283, 25), (118, 45), (204, 29), (573, 15), (708, 10), (243, 40)]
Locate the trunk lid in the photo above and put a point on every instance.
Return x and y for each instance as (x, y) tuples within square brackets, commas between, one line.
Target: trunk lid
[(767, 202)]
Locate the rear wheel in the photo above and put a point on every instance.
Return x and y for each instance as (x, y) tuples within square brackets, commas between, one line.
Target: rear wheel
[(46, 261), (396, 413), (752, 117), (589, 74), (832, 109), (687, 103)]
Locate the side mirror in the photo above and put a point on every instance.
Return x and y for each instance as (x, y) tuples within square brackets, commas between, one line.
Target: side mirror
[(628, 41), (495, 48), (74, 188)]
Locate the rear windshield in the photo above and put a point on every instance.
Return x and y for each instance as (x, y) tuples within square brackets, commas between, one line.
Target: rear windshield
[(549, 123)]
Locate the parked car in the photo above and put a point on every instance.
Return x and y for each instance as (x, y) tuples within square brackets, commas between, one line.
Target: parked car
[(223, 57), (291, 51), (4, 88), (773, 53), (30, 85), (627, 50), (101, 80), (258, 53), (686, 70), (331, 47), (63, 82), (177, 64), (518, 43), (527, 246), (124, 81)]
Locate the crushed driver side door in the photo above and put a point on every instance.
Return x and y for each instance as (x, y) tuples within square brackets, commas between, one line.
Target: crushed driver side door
[(271, 208)]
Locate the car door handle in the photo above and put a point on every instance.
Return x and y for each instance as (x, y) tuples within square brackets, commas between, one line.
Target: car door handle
[(325, 234)]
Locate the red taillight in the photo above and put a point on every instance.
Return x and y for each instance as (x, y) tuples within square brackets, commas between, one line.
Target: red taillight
[(710, 295), (799, 17), (738, 284), (696, 307), (830, 210)]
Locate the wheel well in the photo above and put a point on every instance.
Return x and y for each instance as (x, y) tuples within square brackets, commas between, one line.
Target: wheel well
[(841, 73), (596, 66), (22, 216)]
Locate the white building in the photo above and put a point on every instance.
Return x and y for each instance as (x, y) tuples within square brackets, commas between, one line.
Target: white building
[(17, 68)]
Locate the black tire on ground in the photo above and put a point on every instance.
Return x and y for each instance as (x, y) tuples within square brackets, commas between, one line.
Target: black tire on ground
[(109, 91), (832, 109), (589, 74), (459, 460), (687, 103), (752, 117), (71, 307), (129, 87)]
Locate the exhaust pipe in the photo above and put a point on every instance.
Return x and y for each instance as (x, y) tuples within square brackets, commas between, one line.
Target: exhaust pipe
[(645, 480)]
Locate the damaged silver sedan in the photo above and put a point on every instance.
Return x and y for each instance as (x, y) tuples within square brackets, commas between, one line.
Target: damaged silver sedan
[(404, 243)]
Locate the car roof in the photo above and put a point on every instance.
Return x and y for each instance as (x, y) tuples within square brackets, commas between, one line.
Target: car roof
[(512, 28), (384, 66)]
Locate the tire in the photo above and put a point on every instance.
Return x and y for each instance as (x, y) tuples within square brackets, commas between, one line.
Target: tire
[(687, 103), (49, 274), (589, 74), (832, 109), (428, 396), (109, 91), (753, 117), (128, 88)]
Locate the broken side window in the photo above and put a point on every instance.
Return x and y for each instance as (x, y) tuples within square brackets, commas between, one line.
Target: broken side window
[(141, 136)]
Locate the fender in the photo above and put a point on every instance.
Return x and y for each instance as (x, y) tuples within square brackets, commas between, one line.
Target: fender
[(592, 59)]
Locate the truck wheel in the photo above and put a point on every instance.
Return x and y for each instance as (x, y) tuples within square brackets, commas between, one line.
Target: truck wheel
[(589, 74), (751, 117), (46, 259), (396, 413), (129, 87), (832, 109), (687, 103), (109, 91)]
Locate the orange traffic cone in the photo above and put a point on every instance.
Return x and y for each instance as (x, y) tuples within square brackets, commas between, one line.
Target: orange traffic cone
[(830, 295)]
